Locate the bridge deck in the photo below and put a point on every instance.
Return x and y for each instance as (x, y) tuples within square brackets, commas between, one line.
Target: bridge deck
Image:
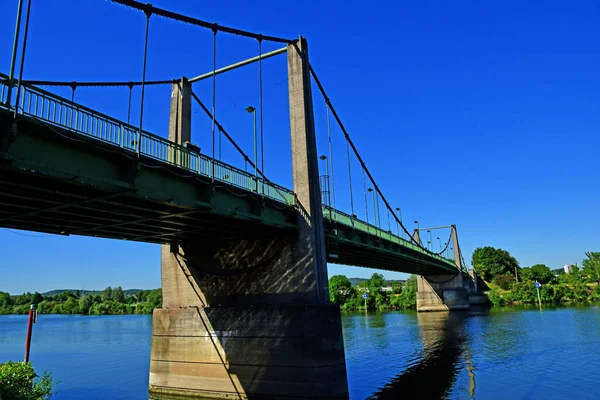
[(70, 169)]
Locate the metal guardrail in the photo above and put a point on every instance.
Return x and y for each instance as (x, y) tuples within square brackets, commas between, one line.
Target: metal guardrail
[(58, 111), (345, 219), (63, 113)]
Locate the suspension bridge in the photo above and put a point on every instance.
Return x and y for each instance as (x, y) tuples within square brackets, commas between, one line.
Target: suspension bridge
[(244, 259)]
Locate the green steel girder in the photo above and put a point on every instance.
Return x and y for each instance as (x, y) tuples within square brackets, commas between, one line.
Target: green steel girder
[(52, 180), (358, 248)]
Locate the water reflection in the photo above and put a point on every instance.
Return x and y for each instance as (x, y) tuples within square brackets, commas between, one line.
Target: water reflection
[(444, 338)]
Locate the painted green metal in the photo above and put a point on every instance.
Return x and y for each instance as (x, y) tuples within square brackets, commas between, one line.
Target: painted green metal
[(58, 111), (345, 219)]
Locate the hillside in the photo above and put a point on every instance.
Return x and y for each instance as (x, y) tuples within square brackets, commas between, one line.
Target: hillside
[(127, 292)]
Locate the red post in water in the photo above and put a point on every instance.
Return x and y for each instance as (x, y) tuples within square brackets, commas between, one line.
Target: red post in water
[(32, 315)]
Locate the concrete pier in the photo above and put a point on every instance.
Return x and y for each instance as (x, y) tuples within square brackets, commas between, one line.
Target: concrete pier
[(248, 317), (444, 292)]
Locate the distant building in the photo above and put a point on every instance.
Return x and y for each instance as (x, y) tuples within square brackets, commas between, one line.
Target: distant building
[(387, 288), (568, 268)]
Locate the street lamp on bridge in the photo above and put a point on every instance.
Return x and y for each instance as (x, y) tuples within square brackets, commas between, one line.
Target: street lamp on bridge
[(430, 239), (370, 190), (440, 241), (398, 224), (325, 183), (252, 110)]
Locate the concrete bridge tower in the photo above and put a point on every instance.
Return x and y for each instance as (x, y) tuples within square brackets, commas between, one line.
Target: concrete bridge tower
[(248, 317), (443, 292)]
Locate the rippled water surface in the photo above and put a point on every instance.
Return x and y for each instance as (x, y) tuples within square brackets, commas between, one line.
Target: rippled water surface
[(510, 353)]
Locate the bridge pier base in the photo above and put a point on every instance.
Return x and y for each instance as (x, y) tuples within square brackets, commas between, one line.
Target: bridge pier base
[(442, 293), (248, 352)]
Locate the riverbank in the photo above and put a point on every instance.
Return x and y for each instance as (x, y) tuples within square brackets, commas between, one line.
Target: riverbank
[(109, 302), (551, 293)]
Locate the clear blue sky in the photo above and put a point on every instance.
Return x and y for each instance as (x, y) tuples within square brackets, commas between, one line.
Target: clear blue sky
[(481, 114)]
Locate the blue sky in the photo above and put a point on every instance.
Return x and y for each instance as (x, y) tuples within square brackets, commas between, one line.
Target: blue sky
[(481, 114)]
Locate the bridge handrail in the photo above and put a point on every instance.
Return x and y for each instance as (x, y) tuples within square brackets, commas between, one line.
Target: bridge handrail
[(64, 113), (348, 220)]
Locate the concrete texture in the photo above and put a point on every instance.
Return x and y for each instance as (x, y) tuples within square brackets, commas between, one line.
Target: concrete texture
[(443, 292), (246, 316), (248, 352), (305, 164)]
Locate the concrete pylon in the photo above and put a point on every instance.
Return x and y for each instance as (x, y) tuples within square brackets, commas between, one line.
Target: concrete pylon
[(305, 164), (444, 292), (180, 120), (248, 317)]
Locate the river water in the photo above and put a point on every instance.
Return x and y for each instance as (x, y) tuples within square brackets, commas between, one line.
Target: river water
[(502, 353)]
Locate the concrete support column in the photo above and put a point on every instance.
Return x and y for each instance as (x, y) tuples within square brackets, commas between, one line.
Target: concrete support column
[(247, 317), (305, 164), (443, 292), (180, 120)]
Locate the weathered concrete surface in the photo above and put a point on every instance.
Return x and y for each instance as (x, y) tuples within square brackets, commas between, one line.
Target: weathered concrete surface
[(246, 317), (248, 352), (443, 292), (305, 164)]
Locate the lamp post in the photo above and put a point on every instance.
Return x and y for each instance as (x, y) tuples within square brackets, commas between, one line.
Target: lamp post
[(252, 110), (325, 188), (429, 244), (440, 241), (370, 190), (430, 239)]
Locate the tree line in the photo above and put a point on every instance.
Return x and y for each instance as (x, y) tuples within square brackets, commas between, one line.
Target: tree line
[(110, 301), (509, 283), (350, 297)]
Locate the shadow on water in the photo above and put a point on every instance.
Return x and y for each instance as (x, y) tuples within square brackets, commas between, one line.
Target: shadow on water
[(444, 341)]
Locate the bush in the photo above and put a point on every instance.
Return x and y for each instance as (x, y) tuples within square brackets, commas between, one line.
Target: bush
[(18, 381), (505, 282)]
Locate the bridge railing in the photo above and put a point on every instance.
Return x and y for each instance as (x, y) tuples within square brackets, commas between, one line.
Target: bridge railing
[(346, 219), (58, 111), (3, 89)]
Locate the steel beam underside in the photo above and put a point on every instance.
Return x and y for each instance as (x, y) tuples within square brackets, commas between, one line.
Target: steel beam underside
[(54, 181)]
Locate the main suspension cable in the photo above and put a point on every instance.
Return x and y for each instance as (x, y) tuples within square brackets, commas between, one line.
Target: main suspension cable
[(355, 150), (194, 21)]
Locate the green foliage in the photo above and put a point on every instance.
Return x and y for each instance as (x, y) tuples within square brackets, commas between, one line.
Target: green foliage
[(591, 266), (541, 273), (67, 302), (18, 381), (350, 298), (118, 295), (36, 298), (504, 281), (340, 289), (107, 294), (489, 262)]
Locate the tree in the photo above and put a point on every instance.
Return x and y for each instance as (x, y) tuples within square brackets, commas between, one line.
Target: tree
[(591, 266), (525, 274), (489, 262), (542, 273), (36, 298), (85, 303), (5, 299), (118, 295), (18, 381), (340, 289), (107, 294)]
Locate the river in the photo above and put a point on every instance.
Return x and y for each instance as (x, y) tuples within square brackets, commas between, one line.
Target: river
[(502, 353)]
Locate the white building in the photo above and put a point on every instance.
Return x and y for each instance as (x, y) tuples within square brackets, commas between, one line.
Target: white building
[(568, 268)]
